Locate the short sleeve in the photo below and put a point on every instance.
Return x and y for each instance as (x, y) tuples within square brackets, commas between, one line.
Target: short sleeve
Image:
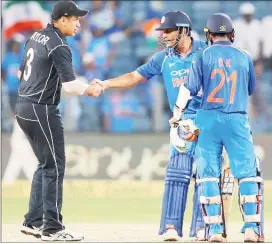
[(153, 66), (62, 60), (194, 82)]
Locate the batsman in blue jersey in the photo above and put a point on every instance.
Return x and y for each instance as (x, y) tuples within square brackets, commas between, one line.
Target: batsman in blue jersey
[(225, 75), (173, 63)]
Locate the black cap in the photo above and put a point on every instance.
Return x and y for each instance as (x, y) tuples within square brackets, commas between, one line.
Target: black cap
[(219, 23), (175, 19), (67, 8)]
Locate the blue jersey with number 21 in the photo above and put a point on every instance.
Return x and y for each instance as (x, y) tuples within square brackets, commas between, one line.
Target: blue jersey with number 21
[(226, 75)]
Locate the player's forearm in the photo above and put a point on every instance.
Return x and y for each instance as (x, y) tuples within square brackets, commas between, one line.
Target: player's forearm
[(124, 81), (181, 103), (75, 87), (19, 74)]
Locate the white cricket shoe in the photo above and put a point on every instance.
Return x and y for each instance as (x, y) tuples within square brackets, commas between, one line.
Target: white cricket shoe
[(200, 235), (62, 235), (250, 235), (216, 238), (32, 230), (171, 235)]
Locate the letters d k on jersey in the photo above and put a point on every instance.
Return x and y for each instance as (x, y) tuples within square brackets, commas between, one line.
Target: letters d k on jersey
[(226, 75)]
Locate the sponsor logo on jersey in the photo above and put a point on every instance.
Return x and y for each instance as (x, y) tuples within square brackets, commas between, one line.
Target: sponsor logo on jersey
[(179, 76)]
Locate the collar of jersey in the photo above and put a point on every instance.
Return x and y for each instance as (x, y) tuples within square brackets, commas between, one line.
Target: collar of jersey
[(55, 29), (227, 43), (194, 48)]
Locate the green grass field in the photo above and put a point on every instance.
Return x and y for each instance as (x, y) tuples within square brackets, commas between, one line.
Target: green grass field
[(107, 201)]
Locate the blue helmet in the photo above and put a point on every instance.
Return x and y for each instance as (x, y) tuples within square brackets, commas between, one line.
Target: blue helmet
[(219, 23), (174, 20)]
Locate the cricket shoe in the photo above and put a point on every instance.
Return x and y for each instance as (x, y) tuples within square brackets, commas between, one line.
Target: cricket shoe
[(32, 230), (200, 235), (261, 239), (62, 235), (171, 235), (216, 238), (250, 235)]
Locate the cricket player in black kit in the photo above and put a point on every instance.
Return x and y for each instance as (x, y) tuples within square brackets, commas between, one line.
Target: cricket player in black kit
[(46, 67)]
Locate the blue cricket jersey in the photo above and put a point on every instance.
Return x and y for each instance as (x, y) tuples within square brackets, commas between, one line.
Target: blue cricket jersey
[(226, 76), (175, 71)]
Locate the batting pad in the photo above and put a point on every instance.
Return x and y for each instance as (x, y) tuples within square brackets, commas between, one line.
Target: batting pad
[(197, 218), (248, 199), (177, 179), (210, 198)]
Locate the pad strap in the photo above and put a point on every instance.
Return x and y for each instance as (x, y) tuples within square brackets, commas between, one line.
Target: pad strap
[(210, 200), (251, 179), (217, 219), (199, 181), (250, 198), (252, 218)]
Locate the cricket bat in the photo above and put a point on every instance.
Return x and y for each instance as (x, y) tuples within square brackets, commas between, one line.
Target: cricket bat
[(227, 194)]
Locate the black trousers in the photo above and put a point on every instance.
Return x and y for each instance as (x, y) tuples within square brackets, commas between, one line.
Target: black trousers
[(43, 127)]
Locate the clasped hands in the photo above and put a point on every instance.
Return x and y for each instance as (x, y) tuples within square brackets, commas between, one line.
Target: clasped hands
[(95, 88)]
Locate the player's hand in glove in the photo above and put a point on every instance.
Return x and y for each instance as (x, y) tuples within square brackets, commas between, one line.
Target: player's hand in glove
[(181, 133), (173, 121), (189, 131)]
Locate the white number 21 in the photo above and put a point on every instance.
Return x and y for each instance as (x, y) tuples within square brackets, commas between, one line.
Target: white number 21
[(30, 56)]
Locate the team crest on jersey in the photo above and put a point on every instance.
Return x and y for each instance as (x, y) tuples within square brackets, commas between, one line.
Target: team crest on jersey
[(162, 19), (222, 28)]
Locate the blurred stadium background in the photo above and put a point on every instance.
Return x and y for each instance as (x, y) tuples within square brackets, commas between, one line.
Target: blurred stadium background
[(117, 145)]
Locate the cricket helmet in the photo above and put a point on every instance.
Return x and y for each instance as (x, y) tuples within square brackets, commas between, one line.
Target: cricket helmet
[(174, 20)]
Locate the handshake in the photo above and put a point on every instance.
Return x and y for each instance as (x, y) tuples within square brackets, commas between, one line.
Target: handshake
[(95, 88)]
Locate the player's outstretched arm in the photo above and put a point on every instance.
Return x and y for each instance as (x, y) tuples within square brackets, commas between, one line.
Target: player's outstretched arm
[(19, 74), (78, 87), (124, 81)]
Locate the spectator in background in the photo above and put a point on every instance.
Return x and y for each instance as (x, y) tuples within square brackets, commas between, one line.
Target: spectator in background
[(101, 48), (248, 34), (6, 123), (260, 112), (75, 47), (114, 8), (195, 35), (11, 64), (107, 30), (85, 34), (102, 17), (267, 40), (143, 91), (88, 105), (123, 112)]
